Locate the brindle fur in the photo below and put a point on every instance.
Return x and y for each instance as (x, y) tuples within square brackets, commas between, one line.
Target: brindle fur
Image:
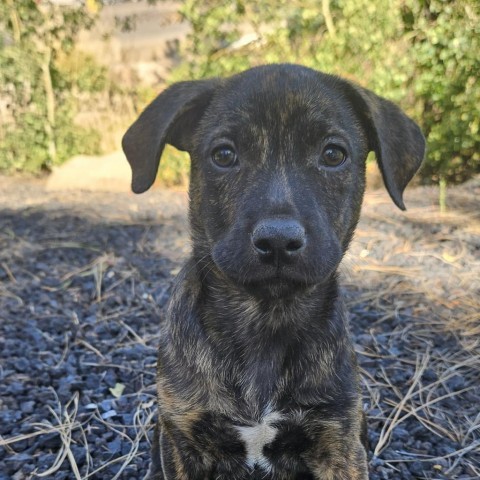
[(248, 344)]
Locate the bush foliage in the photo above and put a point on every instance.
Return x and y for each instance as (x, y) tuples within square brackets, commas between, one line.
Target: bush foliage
[(422, 54), (38, 85)]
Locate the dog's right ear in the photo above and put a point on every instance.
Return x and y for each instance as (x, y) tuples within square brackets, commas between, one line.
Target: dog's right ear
[(171, 118)]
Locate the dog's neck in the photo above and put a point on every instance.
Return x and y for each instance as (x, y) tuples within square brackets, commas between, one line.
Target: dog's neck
[(231, 311), (230, 306), (268, 340), (273, 353)]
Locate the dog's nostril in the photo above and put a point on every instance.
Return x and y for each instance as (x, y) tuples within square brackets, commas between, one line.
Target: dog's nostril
[(263, 246), (294, 245)]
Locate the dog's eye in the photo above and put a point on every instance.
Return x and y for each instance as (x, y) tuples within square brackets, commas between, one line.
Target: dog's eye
[(224, 157), (333, 156)]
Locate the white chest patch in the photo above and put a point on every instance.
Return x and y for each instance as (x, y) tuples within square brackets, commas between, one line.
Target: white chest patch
[(256, 437)]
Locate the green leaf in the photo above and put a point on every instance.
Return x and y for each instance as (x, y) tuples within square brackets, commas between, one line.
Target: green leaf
[(117, 390)]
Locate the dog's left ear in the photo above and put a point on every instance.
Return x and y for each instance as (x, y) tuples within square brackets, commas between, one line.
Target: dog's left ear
[(397, 140), (171, 118)]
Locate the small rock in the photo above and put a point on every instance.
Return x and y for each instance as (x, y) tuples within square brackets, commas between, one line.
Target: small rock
[(109, 414), (115, 446), (106, 405), (417, 468), (27, 407), (22, 365)]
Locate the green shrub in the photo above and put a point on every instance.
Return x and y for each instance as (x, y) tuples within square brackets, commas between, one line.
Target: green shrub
[(37, 79), (422, 54), (445, 54), (174, 168)]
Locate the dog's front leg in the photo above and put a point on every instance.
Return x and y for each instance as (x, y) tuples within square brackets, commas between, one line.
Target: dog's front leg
[(340, 456), (173, 458), (354, 467), (166, 464), (176, 456)]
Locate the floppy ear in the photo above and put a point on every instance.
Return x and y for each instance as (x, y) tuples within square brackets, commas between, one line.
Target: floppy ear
[(397, 141), (171, 118)]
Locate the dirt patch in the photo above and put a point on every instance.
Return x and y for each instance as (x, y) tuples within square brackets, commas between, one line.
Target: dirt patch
[(84, 278), (103, 173)]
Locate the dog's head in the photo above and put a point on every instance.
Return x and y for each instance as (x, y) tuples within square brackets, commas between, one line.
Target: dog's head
[(278, 168)]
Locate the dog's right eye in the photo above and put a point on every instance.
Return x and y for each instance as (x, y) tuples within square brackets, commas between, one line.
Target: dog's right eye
[(224, 157), (333, 156)]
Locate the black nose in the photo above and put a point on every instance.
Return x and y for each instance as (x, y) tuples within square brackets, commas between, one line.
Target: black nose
[(279, 240)]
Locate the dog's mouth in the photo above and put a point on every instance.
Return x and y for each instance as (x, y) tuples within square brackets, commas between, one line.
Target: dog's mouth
[(278, 286), (297, 271)]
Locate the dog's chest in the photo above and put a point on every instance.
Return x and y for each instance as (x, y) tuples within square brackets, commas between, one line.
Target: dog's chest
[(256, 438), (277, 439)]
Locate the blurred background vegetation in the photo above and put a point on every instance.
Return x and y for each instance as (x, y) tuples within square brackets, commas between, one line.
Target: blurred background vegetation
[(422, 54)]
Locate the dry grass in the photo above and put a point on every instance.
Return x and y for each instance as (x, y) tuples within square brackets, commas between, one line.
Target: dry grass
[(64, 423), (422, 269)]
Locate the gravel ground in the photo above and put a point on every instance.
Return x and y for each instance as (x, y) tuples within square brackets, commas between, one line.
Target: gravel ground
[(84, 279)]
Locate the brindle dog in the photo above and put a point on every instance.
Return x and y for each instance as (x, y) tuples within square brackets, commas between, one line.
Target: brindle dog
[(257, 377)]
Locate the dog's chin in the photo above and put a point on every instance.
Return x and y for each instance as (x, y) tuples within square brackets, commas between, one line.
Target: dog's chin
[(275, 288)]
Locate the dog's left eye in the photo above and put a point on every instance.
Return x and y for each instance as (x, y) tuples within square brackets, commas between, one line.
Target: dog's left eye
[(333, 156), (224, 157)]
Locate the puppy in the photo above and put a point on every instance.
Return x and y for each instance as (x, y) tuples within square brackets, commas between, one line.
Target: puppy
[(257, 377)]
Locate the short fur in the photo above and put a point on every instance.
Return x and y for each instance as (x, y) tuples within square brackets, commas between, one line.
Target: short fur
[(257, 376)]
